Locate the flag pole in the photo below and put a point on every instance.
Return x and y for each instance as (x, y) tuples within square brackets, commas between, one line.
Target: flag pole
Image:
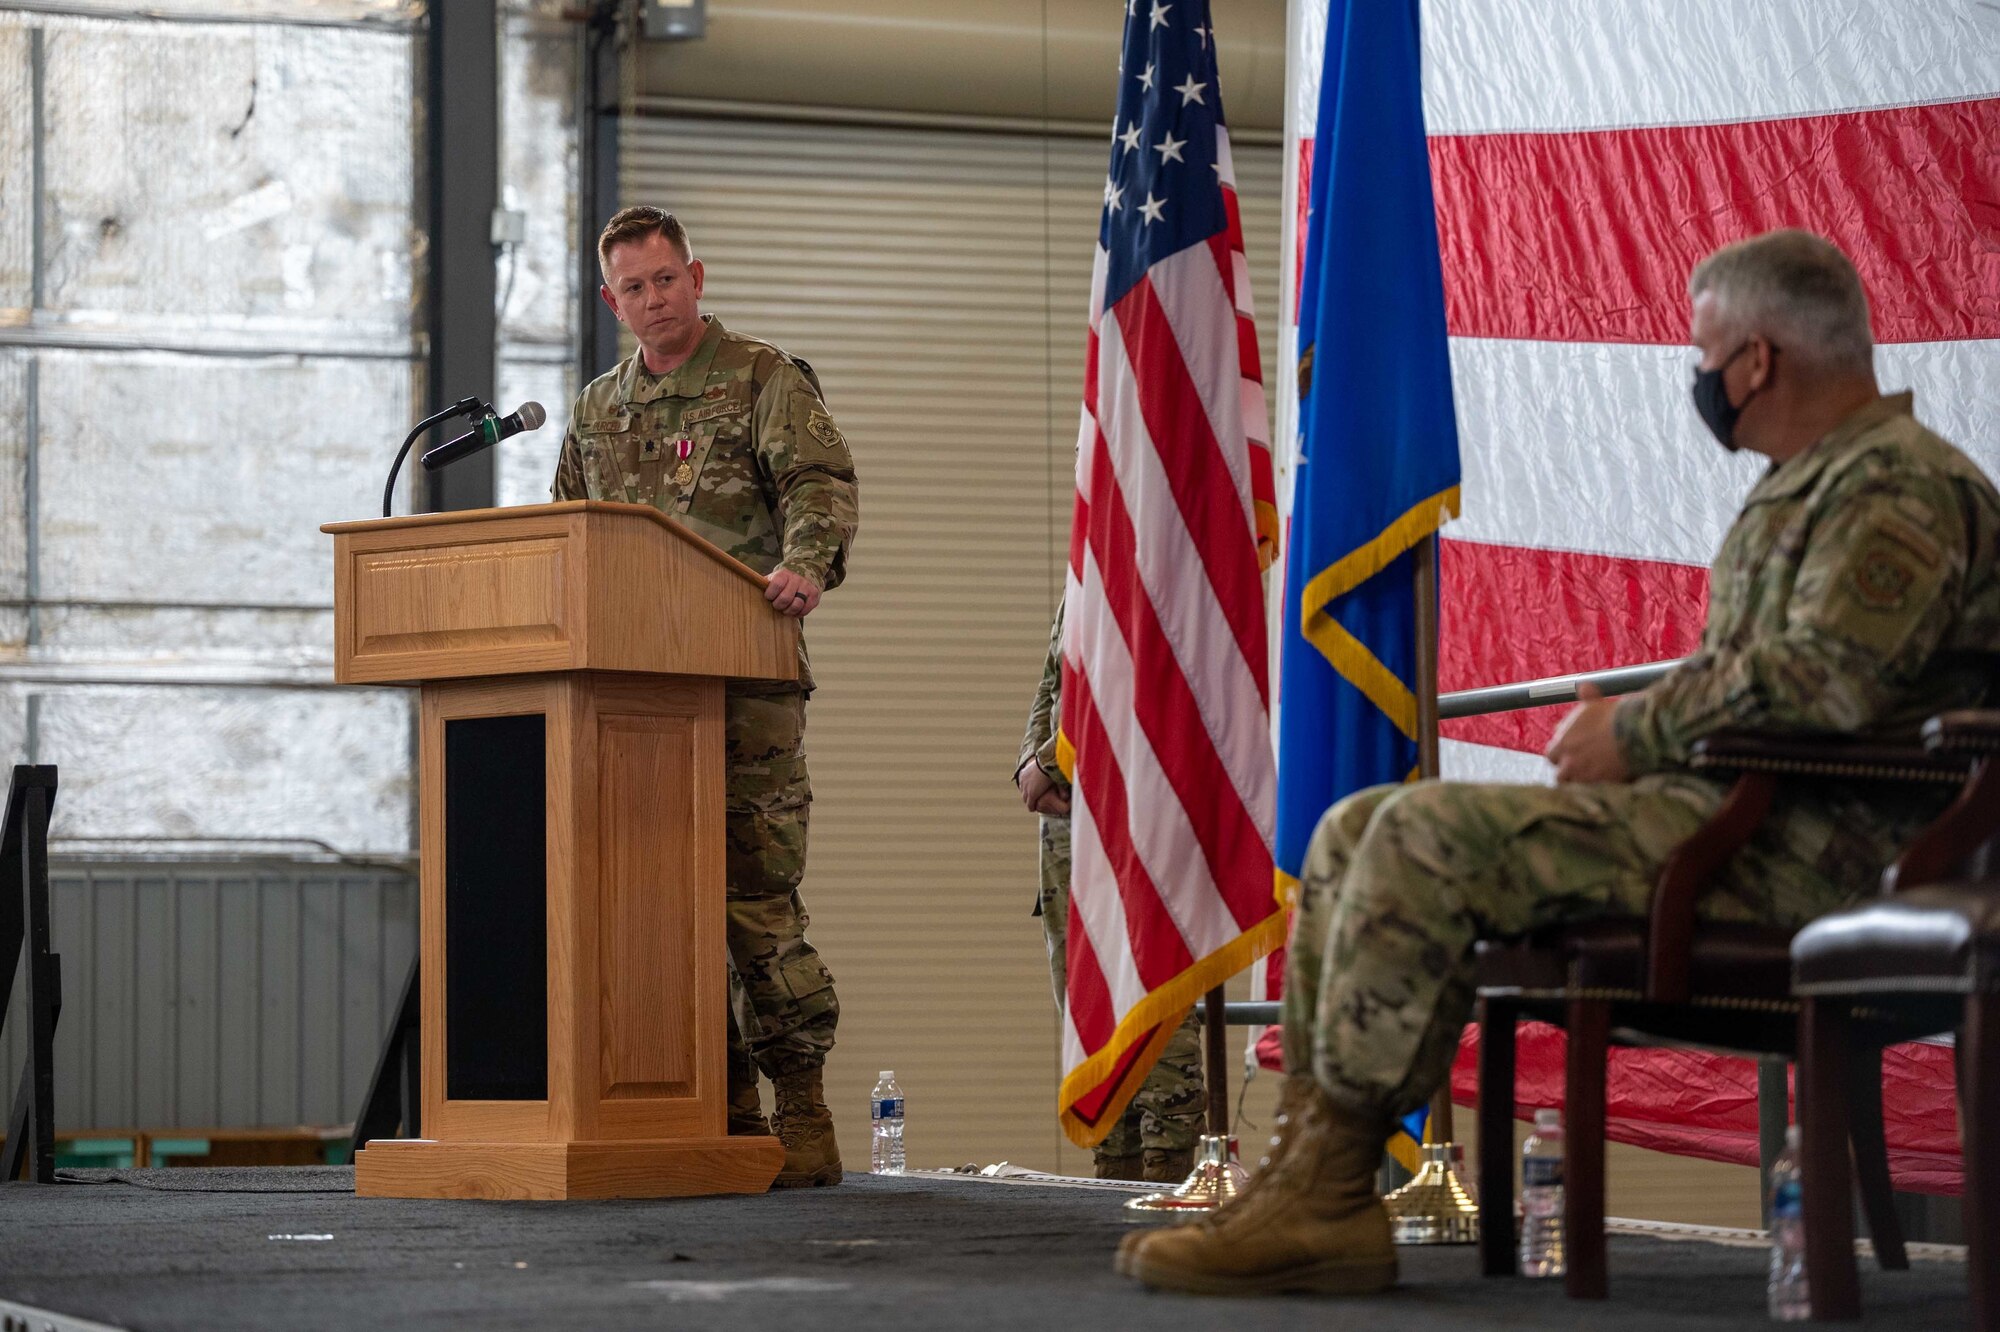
[(1216, 1177), (1426, 581), (1434, 1207), (1215, 1036)]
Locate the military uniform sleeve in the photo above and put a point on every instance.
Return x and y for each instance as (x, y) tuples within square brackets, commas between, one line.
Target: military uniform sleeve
[(1872, 598), (569, 483), (1038, 746), (805, 457)]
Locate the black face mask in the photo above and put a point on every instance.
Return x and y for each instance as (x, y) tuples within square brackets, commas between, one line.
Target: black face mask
[(1711, 400)]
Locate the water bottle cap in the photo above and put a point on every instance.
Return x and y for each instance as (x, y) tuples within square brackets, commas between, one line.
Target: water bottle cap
[(1548, 1119), (887, 1075)]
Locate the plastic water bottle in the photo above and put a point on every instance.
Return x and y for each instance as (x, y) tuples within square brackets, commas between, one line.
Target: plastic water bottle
[(1542, 1252), (887, 1113), (1788, 1296)]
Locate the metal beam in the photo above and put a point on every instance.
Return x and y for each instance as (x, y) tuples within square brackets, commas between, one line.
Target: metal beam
[(462, 113), (597, 185)]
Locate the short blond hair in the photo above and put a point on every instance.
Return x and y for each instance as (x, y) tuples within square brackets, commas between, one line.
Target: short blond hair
[(637, 223), (1797, 289)]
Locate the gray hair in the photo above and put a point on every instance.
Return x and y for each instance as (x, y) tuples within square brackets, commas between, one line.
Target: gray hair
[(1796, 289)]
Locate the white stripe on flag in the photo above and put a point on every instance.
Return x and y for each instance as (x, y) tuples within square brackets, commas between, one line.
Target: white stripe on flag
[(1191, 295), (1595, 447), (1462, 762), (1171, 568), (1161, 832), (1096, 907), (1225, 158), (1494, 66)]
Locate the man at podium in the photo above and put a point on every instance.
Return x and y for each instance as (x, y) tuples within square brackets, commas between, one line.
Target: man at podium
[(729, 436)]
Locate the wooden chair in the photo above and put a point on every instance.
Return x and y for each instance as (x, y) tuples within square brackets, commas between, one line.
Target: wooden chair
[(1670, 979), (1923, 958)]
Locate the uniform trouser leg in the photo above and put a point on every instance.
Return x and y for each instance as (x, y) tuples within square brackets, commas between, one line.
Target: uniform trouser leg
[(786, 988), (1401, 881), (1166, 1112)]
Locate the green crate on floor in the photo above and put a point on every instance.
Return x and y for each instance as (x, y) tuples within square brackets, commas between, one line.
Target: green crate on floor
[(96, 1153), (166, 1149)]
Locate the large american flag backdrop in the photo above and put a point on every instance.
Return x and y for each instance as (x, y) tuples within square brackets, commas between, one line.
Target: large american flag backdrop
[(1585, 155), (1165, 691)]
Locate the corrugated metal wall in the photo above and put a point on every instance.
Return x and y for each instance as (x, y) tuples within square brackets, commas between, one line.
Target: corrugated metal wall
[(220, 995)]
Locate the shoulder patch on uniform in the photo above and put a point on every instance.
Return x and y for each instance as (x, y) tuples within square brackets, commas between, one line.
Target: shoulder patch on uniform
[(1914, 538), (1884, 574), (821, 427)]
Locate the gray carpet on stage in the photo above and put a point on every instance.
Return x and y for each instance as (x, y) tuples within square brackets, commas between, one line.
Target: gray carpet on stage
[(225, 1249)]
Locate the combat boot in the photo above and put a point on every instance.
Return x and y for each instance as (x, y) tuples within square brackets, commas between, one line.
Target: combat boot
[(1167, 1165), (746, 1111), (1316, 1224), (1292, 1098), (1118, 1167), (805, 1126)]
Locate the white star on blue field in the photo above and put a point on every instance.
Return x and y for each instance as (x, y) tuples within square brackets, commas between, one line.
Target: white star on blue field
[(1162, 194)]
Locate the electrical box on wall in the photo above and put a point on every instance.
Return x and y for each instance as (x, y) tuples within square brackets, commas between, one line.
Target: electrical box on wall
[(674, 20)]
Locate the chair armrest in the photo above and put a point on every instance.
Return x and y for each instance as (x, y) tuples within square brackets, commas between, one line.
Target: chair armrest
[(1835, 757), (1687, 875), (1969, 731)]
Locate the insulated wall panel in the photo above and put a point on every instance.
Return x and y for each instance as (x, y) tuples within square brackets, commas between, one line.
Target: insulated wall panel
[(248, 178), (13, 483), (17, 175), (141, 764), (169, 478)]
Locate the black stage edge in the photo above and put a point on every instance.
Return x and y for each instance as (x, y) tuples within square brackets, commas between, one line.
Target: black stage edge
[(919, 1252)]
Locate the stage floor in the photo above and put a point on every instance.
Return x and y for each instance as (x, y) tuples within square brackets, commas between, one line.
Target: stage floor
[(264, 1249)]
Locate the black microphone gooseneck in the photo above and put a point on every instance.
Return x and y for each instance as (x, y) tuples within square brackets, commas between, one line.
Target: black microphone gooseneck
[(463, 407)]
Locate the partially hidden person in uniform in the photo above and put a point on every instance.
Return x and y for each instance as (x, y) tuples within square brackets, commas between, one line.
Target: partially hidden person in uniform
[(1856, 593), (1155, 1138), (729, 436)]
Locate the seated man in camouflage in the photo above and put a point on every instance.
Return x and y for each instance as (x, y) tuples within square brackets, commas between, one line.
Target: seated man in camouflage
[(1856, 592)]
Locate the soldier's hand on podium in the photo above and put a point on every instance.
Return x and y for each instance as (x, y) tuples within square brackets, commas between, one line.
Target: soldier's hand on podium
[(791, 593)]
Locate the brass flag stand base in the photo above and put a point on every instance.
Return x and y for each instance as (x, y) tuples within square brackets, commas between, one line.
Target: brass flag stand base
[(1215, 1180), (1435, 1207)]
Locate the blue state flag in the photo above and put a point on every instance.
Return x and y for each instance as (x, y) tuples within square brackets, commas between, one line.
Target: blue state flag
[(1378, 460)]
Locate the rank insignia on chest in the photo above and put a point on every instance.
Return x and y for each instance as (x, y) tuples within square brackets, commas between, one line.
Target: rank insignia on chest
[(649, 451)]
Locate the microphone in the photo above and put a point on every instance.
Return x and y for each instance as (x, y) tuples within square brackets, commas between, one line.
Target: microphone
[(489, 431)]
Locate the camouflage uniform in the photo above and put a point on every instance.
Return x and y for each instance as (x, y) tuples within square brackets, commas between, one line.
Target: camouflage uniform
[(1166, 1112), (768, 478), (1856, 592)]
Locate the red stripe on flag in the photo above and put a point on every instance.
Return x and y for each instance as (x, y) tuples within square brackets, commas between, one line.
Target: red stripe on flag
[(1237, 856), (1158, 951), (1247, 354), (1086, 992), (1196, 471), (1589, 237), (1514, 613)]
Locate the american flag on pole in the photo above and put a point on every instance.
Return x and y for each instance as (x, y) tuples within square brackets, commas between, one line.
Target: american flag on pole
[(1165, 691)]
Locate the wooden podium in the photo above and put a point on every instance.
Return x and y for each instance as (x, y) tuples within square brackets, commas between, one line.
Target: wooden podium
[(572, 659)]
